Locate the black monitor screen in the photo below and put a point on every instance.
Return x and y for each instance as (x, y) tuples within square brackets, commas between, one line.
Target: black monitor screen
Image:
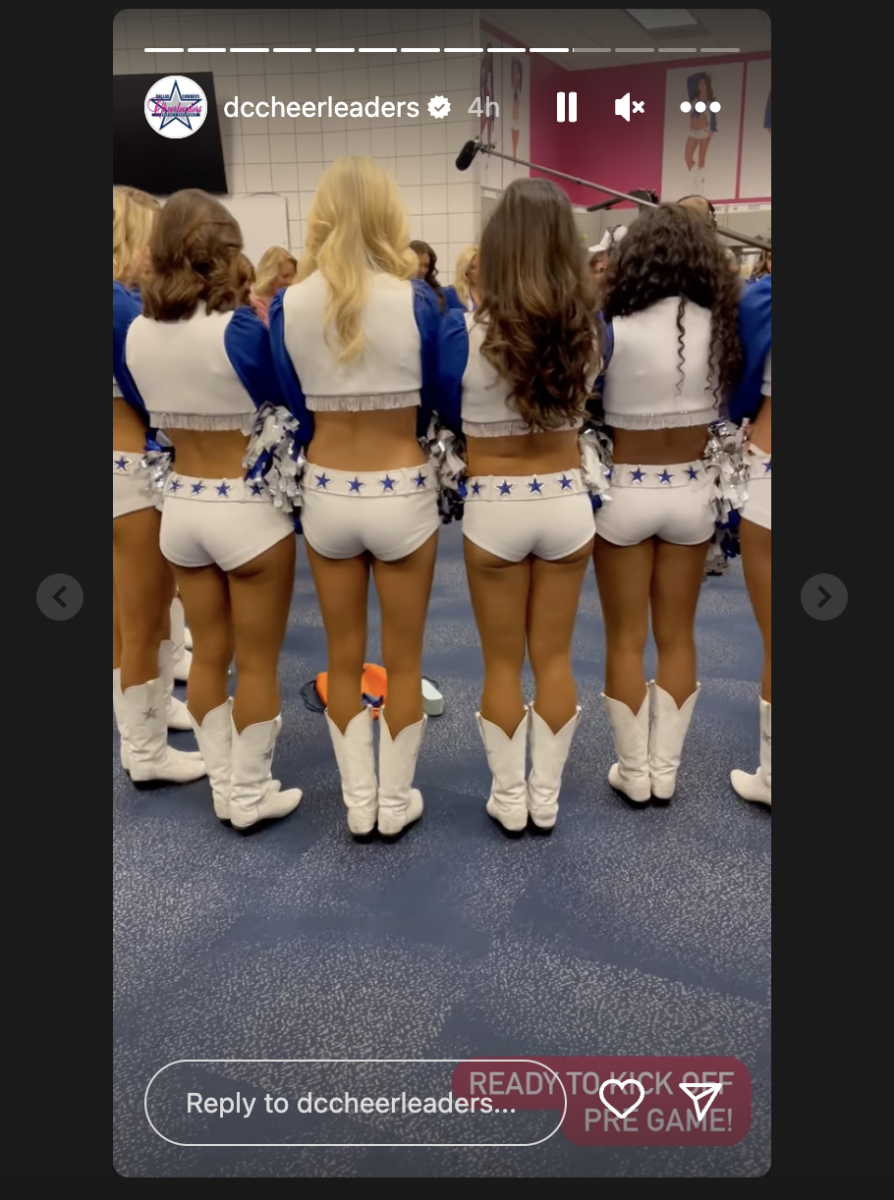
[(143, 157)]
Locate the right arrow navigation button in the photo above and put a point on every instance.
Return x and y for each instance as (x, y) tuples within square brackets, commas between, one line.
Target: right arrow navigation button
[(824, 597)]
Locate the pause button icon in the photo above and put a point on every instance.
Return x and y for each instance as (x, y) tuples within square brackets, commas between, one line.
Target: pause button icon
[(560, 106)]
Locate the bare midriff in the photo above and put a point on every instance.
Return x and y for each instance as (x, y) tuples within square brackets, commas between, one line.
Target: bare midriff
[(523, 454), (128, 430), (217, 454), (659, 447), (366, 441), (759, 434)]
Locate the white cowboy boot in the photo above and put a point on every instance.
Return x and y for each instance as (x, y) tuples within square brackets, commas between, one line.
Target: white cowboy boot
[(215, 739), (120, 720), (356, 760), (549, 753), (151, 758), (400, 804), (630, 733), (255, 795), (508, 800), (666, 737), (176, 712), (756, 787)]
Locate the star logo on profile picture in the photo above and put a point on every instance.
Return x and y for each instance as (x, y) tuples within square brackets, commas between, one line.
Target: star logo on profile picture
[(175, 100), (438, 107)]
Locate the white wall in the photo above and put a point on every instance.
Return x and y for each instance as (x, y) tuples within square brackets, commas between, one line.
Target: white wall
[(288, 155)]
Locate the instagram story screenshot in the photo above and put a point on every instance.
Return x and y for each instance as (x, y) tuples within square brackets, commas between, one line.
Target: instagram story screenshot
[(442, 689)]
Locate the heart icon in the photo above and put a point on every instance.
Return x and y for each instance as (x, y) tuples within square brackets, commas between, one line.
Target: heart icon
[(623, 1084)]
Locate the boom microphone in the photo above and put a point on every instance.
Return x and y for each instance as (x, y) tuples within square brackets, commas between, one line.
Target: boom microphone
[(465, 156)]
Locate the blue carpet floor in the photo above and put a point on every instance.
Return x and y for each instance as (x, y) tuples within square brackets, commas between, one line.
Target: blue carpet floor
[(627, 932)]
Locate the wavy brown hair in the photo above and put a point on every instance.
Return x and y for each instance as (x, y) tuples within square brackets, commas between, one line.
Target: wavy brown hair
[(672, 252), (196, 248), (536, 304)]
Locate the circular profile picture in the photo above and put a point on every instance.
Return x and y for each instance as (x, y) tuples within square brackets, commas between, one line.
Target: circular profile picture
[(176, 106)]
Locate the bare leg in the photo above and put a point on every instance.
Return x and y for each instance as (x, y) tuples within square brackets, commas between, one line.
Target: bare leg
[(624, 577), (755, 541), (676, 585), (343, 591), (206, 596), (404, 589), (499, 592), (144, 585), (552, 612)]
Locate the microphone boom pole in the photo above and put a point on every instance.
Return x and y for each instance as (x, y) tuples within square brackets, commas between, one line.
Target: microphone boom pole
[(481, 148)]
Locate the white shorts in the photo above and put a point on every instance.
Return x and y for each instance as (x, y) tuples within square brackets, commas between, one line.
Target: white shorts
[(388, 514), (560, 523), (673, 503), (219, 522), (700, 134), (757, 507), (132, 489)]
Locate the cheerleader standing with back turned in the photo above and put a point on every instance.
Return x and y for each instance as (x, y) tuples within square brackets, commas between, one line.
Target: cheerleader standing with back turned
[(355, 342), (750, 407), (199, 362), (672, 308), (525, 363), (143, 651)]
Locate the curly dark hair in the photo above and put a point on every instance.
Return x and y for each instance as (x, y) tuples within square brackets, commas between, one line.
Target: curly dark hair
[(537, 304), (196, 249), (672, 252)]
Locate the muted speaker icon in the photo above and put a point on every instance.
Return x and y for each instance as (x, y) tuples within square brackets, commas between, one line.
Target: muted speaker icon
[(622, 107)]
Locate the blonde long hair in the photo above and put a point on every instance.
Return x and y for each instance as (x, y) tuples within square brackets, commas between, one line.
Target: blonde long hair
[(461, 280), (133, 214), (356, 224), (269, 267)]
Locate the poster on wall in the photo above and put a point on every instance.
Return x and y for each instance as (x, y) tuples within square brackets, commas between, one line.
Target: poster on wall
[(701, 148), (490, 96), (515, 114), (754, 176)]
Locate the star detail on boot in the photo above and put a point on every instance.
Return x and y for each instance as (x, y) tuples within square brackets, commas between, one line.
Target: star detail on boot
[(150, 714), (268, 754)]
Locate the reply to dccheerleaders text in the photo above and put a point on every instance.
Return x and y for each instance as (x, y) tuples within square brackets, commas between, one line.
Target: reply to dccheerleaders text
[(225, 1106)]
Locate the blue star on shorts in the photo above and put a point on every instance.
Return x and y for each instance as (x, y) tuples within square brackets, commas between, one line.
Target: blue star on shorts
[(176, 485), (692, 473), (420, 480), (766, 466), (355, 484), (121, 463), (505, 488), (535, 487), (223, 489), (387, 484), (322, 481), (476, 488), (665, 477), (637, 476), (198, 488), (565, 482)]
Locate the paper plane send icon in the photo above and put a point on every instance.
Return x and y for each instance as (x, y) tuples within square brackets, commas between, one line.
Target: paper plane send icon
[(622, 109), (702, 1096)]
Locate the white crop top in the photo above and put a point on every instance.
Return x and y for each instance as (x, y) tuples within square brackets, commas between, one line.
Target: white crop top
[(486, 407), (388, 373), (184, 374), (765, 391), (643, 388)]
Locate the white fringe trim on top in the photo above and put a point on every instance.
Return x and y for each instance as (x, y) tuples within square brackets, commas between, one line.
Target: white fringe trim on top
[(514, 428), (204, 422), (705, 416), (371, 402)]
